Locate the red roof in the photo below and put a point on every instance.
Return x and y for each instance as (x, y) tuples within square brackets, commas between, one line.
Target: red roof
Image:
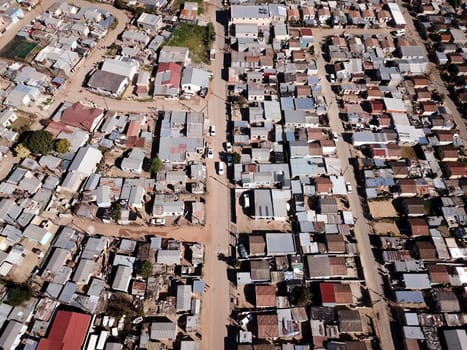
[(133, 128), (81, 116), (68, 332), (174, 73), (327, 293)]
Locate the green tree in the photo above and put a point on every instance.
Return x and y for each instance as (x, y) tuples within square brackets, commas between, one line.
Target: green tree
[(39, 142), (22, 151), (19, 294), (156, 165), (116, 211), (62, 146), (302, 296), (236, 158), (145, 269)]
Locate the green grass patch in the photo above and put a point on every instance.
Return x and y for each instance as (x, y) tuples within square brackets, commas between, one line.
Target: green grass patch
[(178, 5), (197, 39), (19, 49)]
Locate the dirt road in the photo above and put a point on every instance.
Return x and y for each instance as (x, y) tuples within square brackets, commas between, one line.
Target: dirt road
[(216, 304), (362, 229)]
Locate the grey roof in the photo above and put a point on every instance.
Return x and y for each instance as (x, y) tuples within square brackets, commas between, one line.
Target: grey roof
[(66, 239), (96, 287), (456, 339), (168, 257), (83, 271), (67, 293), (173, 54), (94, 247), (5, 310), (280, 243), (107, 81), (12, 334), (122, 278), (37, 233), (123, 260), (263, 203), (56, 260), (189, 345), (163, 330), (86, 160), (416, 280), (148, 19), (53, 290), (196, 76), (249, 11), (183, 297)]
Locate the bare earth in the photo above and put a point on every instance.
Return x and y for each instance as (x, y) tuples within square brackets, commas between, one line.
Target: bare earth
[(382, 209), (384, 227)]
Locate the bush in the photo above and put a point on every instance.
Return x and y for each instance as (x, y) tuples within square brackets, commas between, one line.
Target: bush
[(38, 142), (22, 151), (19, 294), (156, 165), (145, 269), (116, 212), (62, 146)]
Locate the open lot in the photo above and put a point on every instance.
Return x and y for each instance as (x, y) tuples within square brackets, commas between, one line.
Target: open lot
[(382, 209), (386, 227), (194, 37)]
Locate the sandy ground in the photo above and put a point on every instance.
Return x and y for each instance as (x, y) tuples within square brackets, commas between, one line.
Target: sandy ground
[(382, 209), (383, 227)]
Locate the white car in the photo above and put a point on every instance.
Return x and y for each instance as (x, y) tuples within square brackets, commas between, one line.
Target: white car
[(212, 130), (220, 168), (210, 153), (246, 200), (228, 147), (348, 186)]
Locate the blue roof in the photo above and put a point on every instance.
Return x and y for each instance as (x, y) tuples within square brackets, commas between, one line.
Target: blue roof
[(305, 103), (198, 286), (409, 296), (287, 104), (106, 23)]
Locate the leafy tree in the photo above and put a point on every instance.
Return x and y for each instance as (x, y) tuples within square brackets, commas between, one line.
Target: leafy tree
[(39, 142), (302, 296), (62, 145), (156, 165), (19, 294), (22, 151), (145, 269), (116, 211)]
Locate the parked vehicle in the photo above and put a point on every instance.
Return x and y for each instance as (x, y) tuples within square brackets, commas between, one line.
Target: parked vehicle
[(220, 168), (210, 153)]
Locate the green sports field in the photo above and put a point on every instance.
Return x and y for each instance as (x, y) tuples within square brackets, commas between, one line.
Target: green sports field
[(20, 49)]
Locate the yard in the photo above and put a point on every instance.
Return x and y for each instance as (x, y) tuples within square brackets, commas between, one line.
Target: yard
[(21, 124), (382, 209), (196, 38), (386, 227)]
